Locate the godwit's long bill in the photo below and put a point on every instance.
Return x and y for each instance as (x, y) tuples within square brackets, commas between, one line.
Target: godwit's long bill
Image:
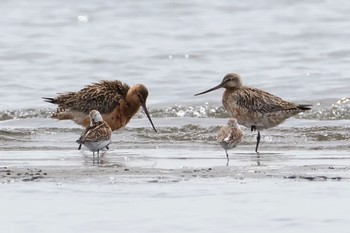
[(229, 136), (255, 108), (97, 136), (115, 100)]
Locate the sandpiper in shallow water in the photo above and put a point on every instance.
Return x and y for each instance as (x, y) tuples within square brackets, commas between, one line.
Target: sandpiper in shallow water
[(97, 136), (115, 100), (229, 136), (255, 108)]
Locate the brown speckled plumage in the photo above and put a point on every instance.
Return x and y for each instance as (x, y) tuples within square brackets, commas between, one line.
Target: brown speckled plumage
[(255, 108), (98, 135), (96, 132), (115, 100), (103, 96), (229, 136)]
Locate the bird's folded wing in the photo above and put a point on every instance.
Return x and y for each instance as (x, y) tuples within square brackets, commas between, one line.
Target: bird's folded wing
[(103, 97), (96, 133), (256, 100)]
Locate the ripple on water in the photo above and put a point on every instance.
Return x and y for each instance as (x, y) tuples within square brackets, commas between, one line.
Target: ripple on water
[(322, 110)]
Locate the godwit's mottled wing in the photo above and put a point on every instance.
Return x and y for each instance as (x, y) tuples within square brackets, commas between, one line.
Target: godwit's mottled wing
[(103, 97), (256, 100), (95, 133)]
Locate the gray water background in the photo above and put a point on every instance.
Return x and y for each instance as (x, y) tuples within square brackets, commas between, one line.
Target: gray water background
[(299, 50)]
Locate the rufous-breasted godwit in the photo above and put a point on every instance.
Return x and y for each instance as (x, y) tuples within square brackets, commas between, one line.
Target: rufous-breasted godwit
[(254, 108), (229, 136), (97, 136), (115, 100)]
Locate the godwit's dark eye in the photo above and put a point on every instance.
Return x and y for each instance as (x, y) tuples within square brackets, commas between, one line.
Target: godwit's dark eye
[(226, 80), (140, 97)]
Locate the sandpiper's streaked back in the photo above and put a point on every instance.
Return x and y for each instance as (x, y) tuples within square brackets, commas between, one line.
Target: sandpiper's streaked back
[(115, 100), (255, 108), (97, 136), (229, 136)]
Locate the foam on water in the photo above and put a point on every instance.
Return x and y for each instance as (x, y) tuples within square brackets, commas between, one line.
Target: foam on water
[(331, 109)]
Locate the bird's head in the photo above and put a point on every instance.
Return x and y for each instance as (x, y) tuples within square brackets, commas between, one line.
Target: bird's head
[(95, 117), (140, 94), (230, 81)]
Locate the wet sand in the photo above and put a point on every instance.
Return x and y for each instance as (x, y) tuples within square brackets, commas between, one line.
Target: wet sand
[(188, 190), (174, 188), (59, 166), (70, 174)]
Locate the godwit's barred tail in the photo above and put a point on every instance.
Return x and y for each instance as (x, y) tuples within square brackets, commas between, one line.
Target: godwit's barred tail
[(229, 136), (115, 100), (97, 136), (255, 108)]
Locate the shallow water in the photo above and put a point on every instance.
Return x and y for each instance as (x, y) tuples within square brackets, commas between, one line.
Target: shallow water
[(194, 206), (176, 179)]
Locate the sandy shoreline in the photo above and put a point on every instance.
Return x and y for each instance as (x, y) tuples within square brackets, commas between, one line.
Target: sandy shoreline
[(190, 188), (331, 166)]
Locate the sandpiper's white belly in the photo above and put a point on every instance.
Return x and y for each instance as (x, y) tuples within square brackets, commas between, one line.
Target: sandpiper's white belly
[(96, 146)]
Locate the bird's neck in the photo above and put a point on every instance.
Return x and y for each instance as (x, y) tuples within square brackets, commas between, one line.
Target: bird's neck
[(94, 123), (131, 105), (228, 92), (131, 109), (232, 89)]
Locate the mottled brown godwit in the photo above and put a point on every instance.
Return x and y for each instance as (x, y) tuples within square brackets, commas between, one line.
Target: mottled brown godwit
[(229, 136), (115, 100), (97, 136), (254, 108)]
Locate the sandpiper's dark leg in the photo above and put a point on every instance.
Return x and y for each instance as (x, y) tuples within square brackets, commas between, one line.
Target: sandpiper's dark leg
[(227, 158), (107, 147), (257, 142), (79, 147), (258, 160), (253, 128)]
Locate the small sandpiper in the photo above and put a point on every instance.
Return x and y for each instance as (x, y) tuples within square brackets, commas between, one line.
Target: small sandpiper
[(97, 136), (229, 136), (115, 100), (254, 108)]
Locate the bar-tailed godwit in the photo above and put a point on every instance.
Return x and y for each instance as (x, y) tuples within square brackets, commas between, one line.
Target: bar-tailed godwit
[(255, 108), (229, 136), (97, 136), (115, 100)]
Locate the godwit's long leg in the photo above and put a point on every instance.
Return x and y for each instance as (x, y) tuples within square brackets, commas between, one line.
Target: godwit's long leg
[(228, 159), (257, 142)]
